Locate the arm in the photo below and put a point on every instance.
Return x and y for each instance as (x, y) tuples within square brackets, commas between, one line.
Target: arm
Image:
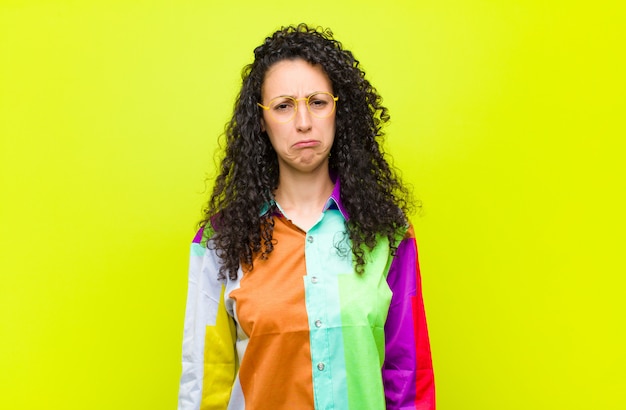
[(407, 372), (209, 362)]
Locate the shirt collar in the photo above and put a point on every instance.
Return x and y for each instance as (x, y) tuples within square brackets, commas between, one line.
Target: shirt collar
[(333, 202)]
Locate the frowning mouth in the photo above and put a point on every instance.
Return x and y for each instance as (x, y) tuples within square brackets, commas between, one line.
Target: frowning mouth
[(306, 144)]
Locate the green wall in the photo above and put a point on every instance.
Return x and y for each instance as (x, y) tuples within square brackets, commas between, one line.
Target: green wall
[(507, 119)]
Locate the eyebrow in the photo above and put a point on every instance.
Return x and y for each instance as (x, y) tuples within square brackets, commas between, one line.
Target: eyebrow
[(296, 98)]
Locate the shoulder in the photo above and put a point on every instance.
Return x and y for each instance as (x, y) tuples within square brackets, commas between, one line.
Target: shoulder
[(203, 235), (406, 243), (409, 232), (404, 234)]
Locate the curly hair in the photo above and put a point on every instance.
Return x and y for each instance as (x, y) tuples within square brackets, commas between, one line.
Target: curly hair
[(371, 191)]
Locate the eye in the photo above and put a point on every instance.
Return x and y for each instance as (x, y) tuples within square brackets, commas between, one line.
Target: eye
[(317, 103), (321, 103), (283, 105)]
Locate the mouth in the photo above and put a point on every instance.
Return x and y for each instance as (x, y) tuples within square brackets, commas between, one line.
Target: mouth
[(306, 144)]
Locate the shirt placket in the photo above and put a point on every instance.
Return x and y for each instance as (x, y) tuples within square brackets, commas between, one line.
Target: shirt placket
[(316, 289)]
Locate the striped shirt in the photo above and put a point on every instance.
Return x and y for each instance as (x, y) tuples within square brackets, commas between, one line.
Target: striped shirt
[(303, 330)]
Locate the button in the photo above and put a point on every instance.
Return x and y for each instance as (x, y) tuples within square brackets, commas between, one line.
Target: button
[(318, 323), (310, 239), (314, 279), (320, 366)]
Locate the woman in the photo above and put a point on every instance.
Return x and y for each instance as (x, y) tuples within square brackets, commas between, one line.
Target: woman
[(304, 287)]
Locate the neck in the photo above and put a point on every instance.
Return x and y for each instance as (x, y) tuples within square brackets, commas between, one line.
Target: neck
[(303, 195)]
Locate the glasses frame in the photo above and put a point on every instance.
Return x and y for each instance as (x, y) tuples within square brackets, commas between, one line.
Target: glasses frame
[(297, 100)]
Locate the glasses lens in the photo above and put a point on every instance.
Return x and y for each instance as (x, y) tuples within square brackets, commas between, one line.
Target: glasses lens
[(283, 109), (321, 104)]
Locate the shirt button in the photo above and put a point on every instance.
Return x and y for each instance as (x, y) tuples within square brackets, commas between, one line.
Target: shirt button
[(314, 279), (320, 366), (318, 323), (310, 239)]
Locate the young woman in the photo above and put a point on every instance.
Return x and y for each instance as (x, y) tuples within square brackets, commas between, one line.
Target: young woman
[(304, 285)]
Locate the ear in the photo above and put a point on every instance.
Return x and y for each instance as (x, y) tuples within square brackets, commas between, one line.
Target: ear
[(262, 125)]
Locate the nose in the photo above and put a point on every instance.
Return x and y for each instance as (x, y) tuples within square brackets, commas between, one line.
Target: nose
[(303, 117)]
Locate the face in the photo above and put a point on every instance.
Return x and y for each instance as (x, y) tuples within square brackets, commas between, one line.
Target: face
[(302, 144)]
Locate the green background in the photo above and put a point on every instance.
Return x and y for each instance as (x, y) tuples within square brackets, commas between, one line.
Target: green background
[(507, 120)]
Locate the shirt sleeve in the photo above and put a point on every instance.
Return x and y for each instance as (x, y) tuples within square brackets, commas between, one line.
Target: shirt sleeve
[(209, 359), (407, 371)]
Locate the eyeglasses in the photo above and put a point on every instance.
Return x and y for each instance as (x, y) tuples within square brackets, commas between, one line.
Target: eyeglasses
[(284, 108)]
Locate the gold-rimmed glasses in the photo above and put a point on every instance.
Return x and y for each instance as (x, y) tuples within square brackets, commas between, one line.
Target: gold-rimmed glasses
[(284, 108)]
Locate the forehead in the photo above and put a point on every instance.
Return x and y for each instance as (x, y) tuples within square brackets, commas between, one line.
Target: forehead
[(295, 78)]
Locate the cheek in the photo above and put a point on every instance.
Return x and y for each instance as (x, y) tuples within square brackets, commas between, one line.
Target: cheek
[(275, 136), (332, 128), (277, 131)]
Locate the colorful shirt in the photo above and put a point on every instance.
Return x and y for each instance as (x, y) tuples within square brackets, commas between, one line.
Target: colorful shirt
[(303, 330)]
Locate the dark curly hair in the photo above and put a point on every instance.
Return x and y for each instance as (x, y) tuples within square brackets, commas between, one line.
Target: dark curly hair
[(371, 191)]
